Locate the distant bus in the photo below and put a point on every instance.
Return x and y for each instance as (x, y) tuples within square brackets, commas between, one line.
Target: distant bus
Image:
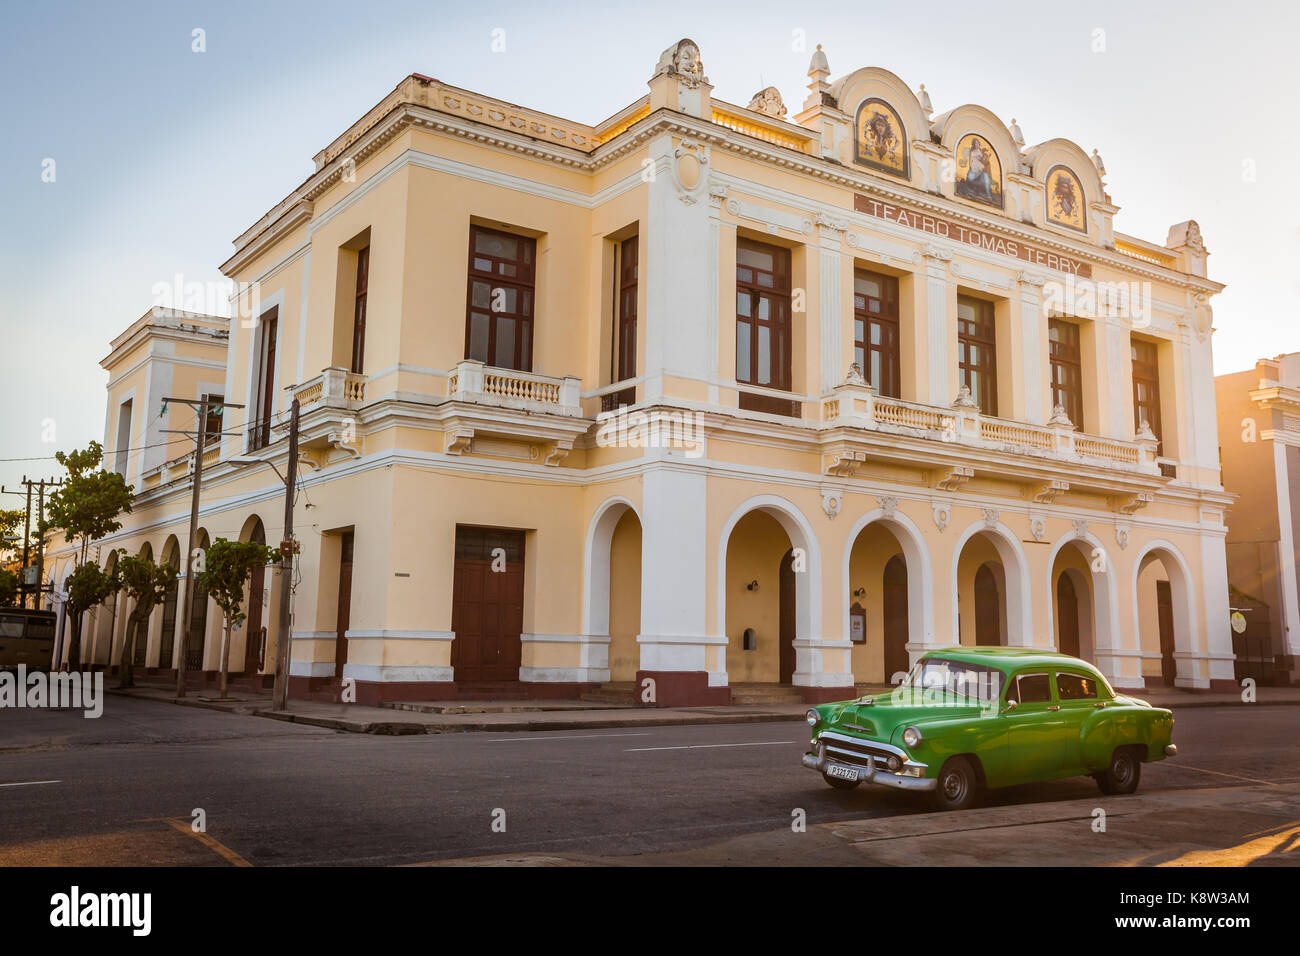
[(26, 637)]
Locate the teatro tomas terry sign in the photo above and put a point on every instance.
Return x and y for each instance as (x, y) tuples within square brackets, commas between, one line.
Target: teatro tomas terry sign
[(949, 229)]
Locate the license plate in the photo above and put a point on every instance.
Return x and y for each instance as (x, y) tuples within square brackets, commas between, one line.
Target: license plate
[(844, 773)]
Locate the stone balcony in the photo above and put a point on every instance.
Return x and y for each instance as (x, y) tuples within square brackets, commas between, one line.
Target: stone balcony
[(507, 413), (472, 381), (957, 442)]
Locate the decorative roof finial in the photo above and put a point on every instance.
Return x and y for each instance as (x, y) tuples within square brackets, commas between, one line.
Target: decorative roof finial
[(819, 63), (926, 106), (1017, 137), (1096, 161)]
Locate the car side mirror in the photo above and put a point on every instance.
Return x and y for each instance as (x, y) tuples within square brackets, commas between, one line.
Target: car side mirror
[(1011, 705)]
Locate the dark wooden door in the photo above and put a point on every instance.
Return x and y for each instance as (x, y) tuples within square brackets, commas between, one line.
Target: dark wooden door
[(787, 601), (1067, 617), (1165, 610), (253, 626), (343, 618), (894, 596), (988, 608), (141, 641), (165, 649), (487, 613)]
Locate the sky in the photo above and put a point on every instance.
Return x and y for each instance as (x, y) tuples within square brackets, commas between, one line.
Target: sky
[(163, 153)]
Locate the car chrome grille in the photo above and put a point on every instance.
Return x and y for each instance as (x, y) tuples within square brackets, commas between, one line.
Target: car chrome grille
[(856, 752)]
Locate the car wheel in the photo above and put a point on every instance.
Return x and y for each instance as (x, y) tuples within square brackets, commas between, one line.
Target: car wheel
[(958, 785), (1123, 774), (840, 783)]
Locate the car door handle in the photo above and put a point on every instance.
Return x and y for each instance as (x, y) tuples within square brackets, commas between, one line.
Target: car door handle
[(1100, 703), (1055, 707)]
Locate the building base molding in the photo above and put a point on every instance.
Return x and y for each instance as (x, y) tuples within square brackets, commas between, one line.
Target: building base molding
[(680, 689)]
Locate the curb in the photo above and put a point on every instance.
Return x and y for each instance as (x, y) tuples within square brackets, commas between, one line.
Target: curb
[(402, 728)]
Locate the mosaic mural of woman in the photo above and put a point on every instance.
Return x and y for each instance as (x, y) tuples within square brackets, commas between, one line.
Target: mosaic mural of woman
[(979, 172)]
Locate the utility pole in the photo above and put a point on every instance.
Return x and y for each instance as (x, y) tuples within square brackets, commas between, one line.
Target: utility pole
[(201, 406), (287, 548), (24, 587)]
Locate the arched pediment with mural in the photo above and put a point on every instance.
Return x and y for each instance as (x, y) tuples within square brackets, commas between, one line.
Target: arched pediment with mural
[(880, 138)]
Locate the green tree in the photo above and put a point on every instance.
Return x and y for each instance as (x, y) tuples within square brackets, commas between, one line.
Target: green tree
[(8, 588), (147, 583), (85, 508), (12, 522), (228, 565), (88, 585)]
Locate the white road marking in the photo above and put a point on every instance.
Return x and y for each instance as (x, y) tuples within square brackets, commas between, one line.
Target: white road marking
[(1219, 773), (502, 740), (29, 783), (761, 743)]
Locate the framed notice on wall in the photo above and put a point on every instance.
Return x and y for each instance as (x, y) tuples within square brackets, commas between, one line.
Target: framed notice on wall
[(857, 624)]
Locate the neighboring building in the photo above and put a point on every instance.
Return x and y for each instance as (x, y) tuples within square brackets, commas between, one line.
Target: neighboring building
[(164, 353), (1259, 446), (576, 408)]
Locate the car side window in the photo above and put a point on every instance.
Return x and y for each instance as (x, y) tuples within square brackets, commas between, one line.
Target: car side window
[(1075, 687), (1032, 689)]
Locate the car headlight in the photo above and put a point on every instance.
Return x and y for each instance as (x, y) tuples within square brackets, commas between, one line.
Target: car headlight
[(911, 737), (813, 718)]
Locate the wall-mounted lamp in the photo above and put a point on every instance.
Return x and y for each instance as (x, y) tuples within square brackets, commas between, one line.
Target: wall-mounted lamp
[(752, 585), (860, 592)]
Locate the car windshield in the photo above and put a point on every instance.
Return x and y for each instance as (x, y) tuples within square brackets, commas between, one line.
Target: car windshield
[(936, 675)]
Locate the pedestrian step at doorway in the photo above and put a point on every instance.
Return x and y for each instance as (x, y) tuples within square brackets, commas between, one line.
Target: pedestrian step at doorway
[(612, 692), (765, 694)]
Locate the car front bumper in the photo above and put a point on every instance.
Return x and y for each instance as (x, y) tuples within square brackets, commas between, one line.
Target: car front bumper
[(870, 773)]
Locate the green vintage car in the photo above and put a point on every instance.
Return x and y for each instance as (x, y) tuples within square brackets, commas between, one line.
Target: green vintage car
[(968, 718)]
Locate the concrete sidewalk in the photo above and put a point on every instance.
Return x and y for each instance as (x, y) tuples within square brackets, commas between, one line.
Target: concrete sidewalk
[(451, 717), (1256, 826)]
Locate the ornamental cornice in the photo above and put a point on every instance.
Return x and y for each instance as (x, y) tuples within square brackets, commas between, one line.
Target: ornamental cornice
[(664, 120)]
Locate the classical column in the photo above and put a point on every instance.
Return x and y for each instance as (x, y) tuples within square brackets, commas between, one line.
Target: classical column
[(939, 321), (674, 640), (830, 237), (1034, 356)]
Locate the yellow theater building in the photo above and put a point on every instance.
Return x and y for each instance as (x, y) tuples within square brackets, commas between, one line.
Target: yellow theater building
[(703, 396)]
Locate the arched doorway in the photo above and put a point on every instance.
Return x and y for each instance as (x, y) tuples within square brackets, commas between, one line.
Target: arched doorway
[(894, 600), (171, 557), (1163, 610), (612, 593), (988, 607), (1067, 616), (254, 626), (990, 581), (196, 632), (766, 634), (785, 610), (141, 646), (107, 617)]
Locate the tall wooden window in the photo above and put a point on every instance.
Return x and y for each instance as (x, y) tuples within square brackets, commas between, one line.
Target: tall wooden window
[(763, 324), (623, 358), (499, 319), (359, 310), (216, 415), (1146, 385), (977, 351), (1067, 368), (875, 330), (263, 407)]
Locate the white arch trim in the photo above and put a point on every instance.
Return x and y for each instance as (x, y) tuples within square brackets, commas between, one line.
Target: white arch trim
[(600, 536), (1187, 638), (1020, 619), (920, 574), (1105, 594), (808, 609)]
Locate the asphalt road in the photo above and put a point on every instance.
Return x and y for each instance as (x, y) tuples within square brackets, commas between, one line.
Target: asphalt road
[(123, 789)]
